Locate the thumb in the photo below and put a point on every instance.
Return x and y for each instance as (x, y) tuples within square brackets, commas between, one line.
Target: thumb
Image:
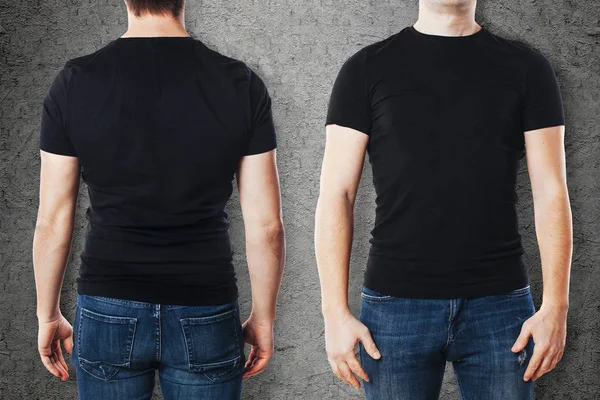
[(521, 341), (68, 343), (369, 346)]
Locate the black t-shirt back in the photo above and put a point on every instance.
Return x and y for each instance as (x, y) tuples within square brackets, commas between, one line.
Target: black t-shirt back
[(159, 126), (446, 118)]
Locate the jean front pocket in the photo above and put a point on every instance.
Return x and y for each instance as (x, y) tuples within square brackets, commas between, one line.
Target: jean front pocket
[(104, 343), (519, 292), (372, 295), (213, 345)]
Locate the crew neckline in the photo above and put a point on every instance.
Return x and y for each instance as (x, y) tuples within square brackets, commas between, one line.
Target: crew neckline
[(447, 39)]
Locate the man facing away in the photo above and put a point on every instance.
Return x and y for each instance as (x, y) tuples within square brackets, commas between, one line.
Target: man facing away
[(158, 125), (445, 110)]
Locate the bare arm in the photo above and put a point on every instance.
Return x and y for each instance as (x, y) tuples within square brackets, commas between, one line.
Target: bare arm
[(59, 185), (260, 200), (334, 225), (547, 171)]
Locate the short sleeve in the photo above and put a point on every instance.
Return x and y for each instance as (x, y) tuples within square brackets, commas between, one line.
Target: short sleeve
[(262, 135), (53, 133), (543, 105), (349, 105)]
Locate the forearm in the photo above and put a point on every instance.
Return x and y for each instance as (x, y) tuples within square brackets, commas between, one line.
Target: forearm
[(51, 246), (265, 253), (555, 238), (333, 242)]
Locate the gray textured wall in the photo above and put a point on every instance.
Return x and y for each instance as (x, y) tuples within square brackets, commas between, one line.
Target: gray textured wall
[(297, 47)]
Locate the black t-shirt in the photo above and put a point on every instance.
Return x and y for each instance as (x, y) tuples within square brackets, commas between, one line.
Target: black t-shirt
[(446, 118), (159, 126)]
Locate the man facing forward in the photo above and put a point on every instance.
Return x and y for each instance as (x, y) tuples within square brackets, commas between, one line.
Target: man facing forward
[(445, 110)]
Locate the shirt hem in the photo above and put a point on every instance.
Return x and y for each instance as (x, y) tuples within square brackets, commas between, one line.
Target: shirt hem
[(160, 293), (398, 279)]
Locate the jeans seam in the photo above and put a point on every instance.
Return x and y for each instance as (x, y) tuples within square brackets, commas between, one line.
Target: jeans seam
[(448, 330), (130, 343), (235, 329), (79, 333), (121, 302), (159, 334), (203, 384), (111, 319), (187, 347), (462, 397)]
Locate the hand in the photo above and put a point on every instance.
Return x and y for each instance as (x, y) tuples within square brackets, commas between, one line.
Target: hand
[(342, 334), (548, 327), (260, 337), (49, 336)]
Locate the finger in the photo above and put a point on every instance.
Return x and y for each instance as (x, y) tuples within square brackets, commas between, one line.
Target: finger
[(251, 357), (336, 371), (546, 366), (249, 366), (522, 340), (57, 351), (369, 345), (257, 367), (559, 357), (63, 364), (258, 364), (357, 369), (534, 363), (56, 362), (49, 361), (68, 343), (50, 366), (347, 375)]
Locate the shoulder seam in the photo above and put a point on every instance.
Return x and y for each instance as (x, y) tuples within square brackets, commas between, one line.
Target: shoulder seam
[(70, 66), (367, 87), (527, 67)]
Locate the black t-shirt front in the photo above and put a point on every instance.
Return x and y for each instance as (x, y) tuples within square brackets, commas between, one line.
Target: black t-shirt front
[(159, 126), (446, 118)]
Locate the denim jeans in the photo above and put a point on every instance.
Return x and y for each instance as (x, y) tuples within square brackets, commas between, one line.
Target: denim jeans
[(416, 337), (119, 344)]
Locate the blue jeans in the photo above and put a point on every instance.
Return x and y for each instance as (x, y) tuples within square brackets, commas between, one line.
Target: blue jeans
[(119, 344), (416, 337)]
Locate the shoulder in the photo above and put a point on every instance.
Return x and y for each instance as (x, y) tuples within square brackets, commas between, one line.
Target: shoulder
[(90, 60), (378, 52), (226, 66), (76, 66), (522, 54), (516, 48), (375, 50)]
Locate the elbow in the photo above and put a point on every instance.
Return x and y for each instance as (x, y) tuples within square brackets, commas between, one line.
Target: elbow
[(275, 230), (266, 232), (336, 199), (59, 226), (551, 193)]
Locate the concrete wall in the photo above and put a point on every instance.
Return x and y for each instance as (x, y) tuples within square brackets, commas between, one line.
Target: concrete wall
[(297, 47)]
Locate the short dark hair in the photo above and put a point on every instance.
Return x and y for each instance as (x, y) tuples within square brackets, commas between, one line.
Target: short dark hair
[(140, 7)]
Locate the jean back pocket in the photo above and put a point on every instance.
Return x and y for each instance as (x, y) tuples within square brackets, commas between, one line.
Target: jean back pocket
[(104, 343), (213, 345)]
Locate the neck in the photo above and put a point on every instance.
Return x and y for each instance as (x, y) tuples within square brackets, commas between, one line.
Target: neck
[(446, 20), (155, 25)]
